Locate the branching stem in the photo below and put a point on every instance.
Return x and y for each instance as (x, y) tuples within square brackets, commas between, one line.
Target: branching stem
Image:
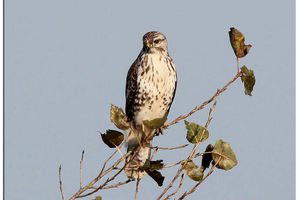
[(197, 108), (104, 171)]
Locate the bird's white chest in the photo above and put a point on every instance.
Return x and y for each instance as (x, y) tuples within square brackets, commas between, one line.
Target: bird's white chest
[(156, 80)]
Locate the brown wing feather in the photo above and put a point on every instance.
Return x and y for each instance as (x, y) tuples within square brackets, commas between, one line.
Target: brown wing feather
[(174, 91), (131, 89)]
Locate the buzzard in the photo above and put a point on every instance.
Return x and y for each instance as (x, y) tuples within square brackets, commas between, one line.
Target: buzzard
[(150, 90)]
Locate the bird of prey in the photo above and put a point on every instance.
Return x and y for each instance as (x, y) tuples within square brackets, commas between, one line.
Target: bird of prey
[(150, 90)]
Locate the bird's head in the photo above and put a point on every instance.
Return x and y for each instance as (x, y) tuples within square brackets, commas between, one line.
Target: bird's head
[(155, 41)]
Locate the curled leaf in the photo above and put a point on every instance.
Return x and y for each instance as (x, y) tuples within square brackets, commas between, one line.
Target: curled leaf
[(188, 165), (153, 165), (196, 174), (223, 155), (192, 170), (155, 123), (248, 79), (118, 117), (112, 138), (207, 157), (237, 41), (156, 175), (195, 132)]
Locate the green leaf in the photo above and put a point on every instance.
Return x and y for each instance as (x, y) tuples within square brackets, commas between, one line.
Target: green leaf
[(112, 138), (98, 198), (155, 123), (188, 165), (195, 132), (152, 165), (207, 157), (196, 174), (118, 117), (192, 170), (223, 155), (248, 79), (237, 41)]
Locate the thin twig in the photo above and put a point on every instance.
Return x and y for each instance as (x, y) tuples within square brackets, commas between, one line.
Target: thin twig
[(79, 194), (107, 160), (193, 152), (197, 108), (101, 186), (237, 65), (114, 165), (60, 183), (170, 148), (193, 189), (136, 188), (100, 175), (172, 164), (119, 150), (178, 188), (170, 184), (117, 184), (81, 168), (154, 153)]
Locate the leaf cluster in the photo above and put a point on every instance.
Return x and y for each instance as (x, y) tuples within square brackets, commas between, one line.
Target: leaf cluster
[(219, 155), (237, 40)]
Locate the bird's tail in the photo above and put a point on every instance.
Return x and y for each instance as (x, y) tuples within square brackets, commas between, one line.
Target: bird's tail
[(140, 153)]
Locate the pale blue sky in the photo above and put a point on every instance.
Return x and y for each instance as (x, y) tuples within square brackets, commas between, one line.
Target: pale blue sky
[(66, 62)]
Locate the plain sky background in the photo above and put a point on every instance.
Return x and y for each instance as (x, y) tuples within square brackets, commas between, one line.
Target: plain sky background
[(66, 62)]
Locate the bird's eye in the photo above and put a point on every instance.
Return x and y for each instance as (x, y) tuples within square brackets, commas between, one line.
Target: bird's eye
[(156, 41)]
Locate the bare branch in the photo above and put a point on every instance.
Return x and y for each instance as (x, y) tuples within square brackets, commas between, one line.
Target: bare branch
[(81, 167), (179, 186), (170, 148), (101, 186), (193, 152), (186, 193), (79, 193), (237, 64), (172, 164), (60, 183), (136, 189), (154, 153), (197, 108), (170, 184), (117, 184), (100, 175), (107, 160)]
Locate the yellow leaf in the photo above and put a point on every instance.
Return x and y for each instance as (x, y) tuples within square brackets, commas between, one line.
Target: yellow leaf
[(192, 170), (223, 155), (155, 123), (118, 117), (237, 41)]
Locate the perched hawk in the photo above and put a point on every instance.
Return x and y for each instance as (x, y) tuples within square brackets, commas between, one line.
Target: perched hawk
[(150, 90)]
